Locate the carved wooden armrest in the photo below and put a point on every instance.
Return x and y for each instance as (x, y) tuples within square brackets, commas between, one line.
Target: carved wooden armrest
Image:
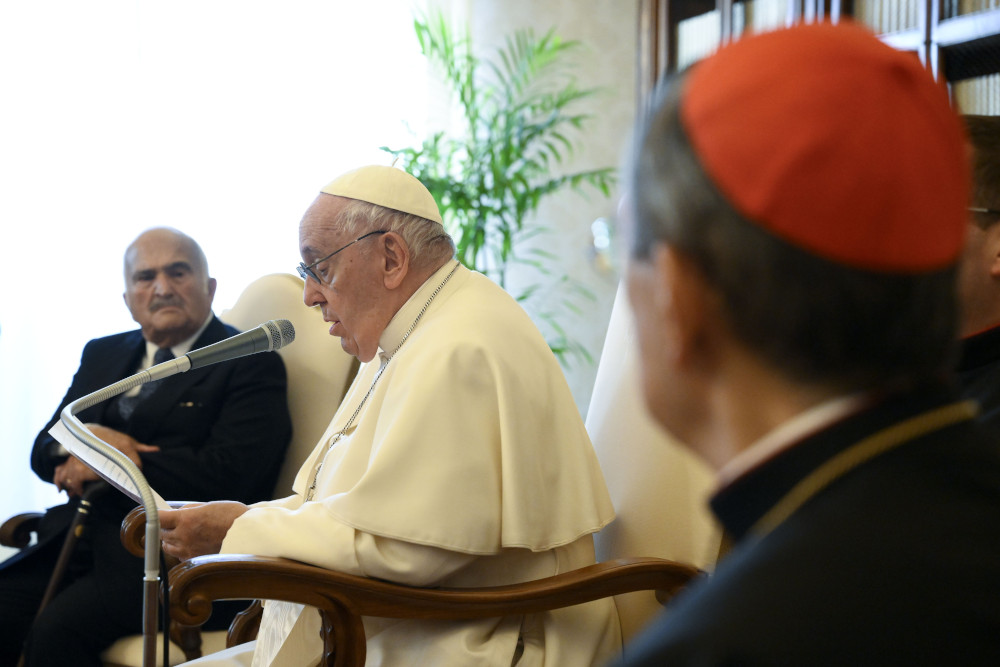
[(133, 530), (343, 599), (16, 531), (133, 537)]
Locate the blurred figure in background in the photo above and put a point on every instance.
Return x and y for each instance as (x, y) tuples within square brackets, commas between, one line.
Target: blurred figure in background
[(799, 212)]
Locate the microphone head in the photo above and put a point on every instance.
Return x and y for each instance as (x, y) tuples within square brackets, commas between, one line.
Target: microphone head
[(279, 333)]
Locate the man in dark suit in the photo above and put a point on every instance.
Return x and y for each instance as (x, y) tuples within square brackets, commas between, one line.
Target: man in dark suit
[(216, 432), (798, 213)]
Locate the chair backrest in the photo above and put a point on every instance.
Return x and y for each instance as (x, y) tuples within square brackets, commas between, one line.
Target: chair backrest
[(659, 489), (319, 371)]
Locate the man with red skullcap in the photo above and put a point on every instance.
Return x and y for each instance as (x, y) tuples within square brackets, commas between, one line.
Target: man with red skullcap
[(798, 208)]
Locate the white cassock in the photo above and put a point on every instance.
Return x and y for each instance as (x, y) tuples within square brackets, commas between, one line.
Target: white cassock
[(468, 465)]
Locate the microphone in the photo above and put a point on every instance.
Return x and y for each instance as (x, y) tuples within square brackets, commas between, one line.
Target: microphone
[(270, 335)]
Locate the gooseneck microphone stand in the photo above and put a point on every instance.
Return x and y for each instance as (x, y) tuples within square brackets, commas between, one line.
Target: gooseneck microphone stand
[(269, 336), (151, 578)]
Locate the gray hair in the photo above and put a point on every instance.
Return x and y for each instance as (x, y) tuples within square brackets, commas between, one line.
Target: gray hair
[(428, 241)]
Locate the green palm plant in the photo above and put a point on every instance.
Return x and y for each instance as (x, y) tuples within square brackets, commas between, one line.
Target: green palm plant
[(520, 123)]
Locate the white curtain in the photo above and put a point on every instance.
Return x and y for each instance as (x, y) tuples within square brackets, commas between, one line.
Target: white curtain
[(222, 118)]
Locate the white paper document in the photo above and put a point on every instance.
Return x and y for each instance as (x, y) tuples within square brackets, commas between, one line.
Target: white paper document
[(102, 465)]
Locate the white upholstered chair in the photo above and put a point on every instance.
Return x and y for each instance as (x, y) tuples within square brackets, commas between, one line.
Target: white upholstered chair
[(319, 372), (659, 489)]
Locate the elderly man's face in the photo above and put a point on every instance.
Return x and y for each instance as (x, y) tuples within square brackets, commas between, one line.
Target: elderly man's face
[(167, 289), (350, 291)]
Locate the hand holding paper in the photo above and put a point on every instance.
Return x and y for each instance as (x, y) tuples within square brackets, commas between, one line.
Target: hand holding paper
[(199, 528), (71, 475), (104, 467), (123, 442)]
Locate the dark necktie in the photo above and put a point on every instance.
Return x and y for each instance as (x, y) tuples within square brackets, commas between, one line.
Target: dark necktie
[(126, 404)]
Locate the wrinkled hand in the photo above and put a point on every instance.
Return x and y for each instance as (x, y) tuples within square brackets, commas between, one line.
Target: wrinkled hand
[(123, 442), (71, 474), (197, 529)]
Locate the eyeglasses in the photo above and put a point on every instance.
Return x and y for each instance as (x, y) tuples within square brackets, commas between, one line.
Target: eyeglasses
[(984, 222), (306, 271)]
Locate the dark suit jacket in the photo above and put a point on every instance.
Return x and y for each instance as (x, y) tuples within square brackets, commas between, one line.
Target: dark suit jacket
[(979, 375), (895, 562), (222, 431)]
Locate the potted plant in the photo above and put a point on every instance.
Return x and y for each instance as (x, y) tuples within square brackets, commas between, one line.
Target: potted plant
[(519, 122)]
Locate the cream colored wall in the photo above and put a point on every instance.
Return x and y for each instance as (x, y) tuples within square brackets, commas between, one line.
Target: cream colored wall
[(607, 30)]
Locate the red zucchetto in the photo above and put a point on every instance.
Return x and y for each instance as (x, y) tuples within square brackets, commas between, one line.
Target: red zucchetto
[(835, 142)]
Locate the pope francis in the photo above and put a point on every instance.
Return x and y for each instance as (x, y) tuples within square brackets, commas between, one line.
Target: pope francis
[(457, 458)]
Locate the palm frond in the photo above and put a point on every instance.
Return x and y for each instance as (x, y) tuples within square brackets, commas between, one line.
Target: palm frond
[(521, 121)]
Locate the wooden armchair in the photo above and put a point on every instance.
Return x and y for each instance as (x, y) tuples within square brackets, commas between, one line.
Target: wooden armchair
[(343, 599), (16, 531)]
